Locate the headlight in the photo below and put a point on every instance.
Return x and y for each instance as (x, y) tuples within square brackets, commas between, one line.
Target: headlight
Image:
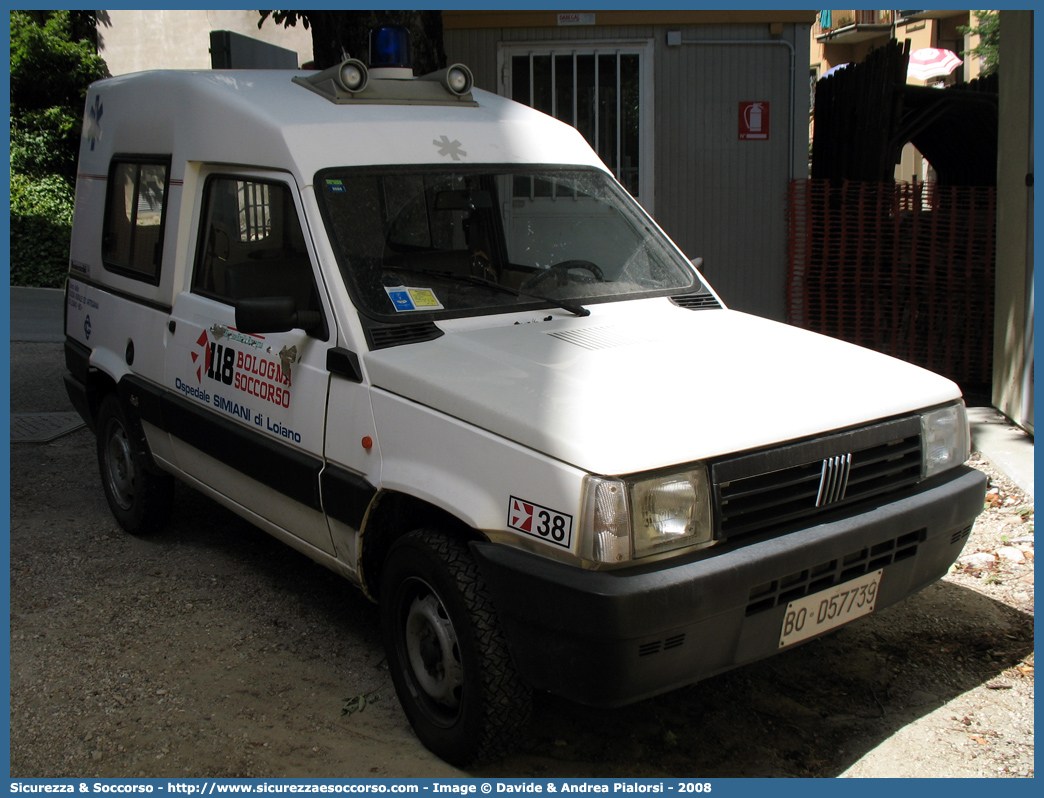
[(631, 518), (945, 439)]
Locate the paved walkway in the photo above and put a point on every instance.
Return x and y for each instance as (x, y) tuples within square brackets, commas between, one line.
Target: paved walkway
[(1008, 447), (37, 314)]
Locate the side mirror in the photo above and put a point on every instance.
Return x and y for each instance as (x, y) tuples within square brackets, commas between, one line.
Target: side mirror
[(271, 314)]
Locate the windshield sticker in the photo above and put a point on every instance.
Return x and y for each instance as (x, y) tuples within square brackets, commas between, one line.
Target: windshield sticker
[(406, 299), (336, 187)]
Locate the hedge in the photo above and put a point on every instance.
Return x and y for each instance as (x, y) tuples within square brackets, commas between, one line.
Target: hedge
[(41, 224)]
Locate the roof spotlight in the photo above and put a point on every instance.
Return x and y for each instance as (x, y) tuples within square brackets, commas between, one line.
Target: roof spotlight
[(456, 79), (352, 75)]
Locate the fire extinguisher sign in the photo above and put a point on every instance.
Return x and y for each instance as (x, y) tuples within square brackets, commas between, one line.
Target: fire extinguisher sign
[(754, 121)]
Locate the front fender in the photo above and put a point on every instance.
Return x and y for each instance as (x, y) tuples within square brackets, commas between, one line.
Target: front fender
[(471, 473)]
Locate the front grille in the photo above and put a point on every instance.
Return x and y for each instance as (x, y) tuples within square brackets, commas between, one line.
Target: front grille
[(656, 646), (769, 488), (960, 535), (833, 572)]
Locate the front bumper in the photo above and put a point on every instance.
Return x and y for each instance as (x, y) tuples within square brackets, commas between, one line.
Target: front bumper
[(609, 638)]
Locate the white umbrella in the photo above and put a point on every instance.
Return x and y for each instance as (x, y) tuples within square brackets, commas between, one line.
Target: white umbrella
[(930, 62), (833, 70)]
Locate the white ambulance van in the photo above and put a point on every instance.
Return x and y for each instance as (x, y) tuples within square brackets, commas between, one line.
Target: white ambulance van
[(419, 333)]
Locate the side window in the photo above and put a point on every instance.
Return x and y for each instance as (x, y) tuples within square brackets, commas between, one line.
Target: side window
[(251, 244), (132, 241)]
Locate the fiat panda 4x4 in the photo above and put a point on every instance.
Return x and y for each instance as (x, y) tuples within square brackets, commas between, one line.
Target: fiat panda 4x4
[(419, 333)]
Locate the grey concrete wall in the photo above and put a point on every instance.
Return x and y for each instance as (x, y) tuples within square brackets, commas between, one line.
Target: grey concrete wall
[(1012, 331), (132, 41)]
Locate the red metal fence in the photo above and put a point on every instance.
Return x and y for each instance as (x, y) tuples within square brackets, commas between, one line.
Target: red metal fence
[(905, 269)]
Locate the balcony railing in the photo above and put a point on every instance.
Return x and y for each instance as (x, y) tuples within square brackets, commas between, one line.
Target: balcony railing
[(832, 20), (853, 25)]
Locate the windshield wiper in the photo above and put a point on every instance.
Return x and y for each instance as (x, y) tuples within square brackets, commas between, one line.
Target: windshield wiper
[(470, 279)]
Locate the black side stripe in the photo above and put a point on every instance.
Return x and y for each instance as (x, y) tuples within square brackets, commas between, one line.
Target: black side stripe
[(273, 464), (346, 496)]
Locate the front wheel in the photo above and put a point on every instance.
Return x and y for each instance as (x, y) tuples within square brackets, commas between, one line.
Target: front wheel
[(139, 498), (448, 658)]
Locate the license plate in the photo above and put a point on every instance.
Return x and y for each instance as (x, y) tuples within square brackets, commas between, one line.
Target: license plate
[(828, 609)]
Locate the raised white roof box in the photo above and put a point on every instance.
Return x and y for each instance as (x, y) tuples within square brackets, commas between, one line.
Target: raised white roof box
[(275, 119)]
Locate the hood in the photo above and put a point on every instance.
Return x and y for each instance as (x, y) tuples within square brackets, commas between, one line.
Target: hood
[(642, 385)]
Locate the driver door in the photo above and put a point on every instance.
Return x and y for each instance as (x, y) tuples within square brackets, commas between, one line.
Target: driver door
[(250, 409)]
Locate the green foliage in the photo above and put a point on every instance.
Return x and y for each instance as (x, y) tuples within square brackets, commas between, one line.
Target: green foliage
[(41, 223), (45, 143), (49, 68), (53, 61), (50, 73), (988, 49)]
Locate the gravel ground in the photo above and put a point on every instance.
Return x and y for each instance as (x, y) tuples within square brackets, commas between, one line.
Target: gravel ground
[(210, 650)]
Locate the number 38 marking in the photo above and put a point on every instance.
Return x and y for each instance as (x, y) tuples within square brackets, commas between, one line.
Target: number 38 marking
[(553, 525), (540, 522)]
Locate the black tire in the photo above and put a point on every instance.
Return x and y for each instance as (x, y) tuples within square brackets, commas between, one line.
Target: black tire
[(140, 497), (447, 655)]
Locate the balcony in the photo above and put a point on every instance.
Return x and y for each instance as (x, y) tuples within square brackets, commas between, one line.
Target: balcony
[(903, 17), (852, 27)]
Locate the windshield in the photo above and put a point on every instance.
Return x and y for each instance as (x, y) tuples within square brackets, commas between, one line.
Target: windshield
[(437, 243)]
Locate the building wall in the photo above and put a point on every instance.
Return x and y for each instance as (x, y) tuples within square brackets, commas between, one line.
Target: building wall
[(719, 197), (722, 198), (1013, 302), (932, 32), (132, 41)]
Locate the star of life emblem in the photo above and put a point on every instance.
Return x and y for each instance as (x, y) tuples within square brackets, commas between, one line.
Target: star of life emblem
[(450, 148)]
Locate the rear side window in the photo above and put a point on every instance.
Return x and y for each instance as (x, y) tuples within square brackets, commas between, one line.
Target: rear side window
[(132, 243)]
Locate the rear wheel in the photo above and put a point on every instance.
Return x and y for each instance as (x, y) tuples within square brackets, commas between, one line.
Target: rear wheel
[(139, 497), (448, 658)]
